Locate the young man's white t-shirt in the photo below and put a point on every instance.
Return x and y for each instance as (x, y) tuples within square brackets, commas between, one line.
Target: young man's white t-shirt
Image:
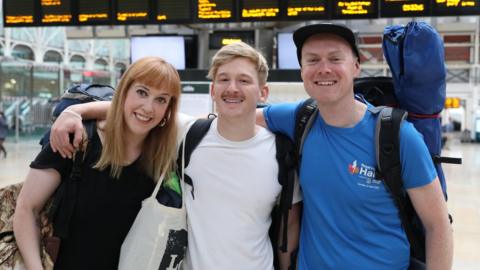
[(235, 187)]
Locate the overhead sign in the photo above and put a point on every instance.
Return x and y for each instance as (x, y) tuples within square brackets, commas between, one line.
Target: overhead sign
[(357, 9), (219, 39), (118, 12), (404, 8)]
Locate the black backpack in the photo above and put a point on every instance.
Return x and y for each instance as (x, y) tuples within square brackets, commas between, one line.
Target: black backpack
[(58, 210), (286, 177), (379, 91), (64, 198), (79, 93)]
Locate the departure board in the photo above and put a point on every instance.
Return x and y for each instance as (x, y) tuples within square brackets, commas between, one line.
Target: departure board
[(404, 8), (455, 7), (215, 10), (259, 9), (361, 9), (94, 11), (112, 12), (219, 39), (55, 12), (173, 11), (18, 12), (307, 9), (133, 11)]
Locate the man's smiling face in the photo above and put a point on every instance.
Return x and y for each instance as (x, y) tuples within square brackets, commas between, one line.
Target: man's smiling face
[(236, 89), (329, 67)]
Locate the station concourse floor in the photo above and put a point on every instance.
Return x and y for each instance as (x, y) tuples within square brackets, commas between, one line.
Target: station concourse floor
[(463, 183)]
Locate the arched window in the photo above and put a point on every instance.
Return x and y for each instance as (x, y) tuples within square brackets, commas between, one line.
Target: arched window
[(77, 61), (100, 64), (23, 52), (52, 56)]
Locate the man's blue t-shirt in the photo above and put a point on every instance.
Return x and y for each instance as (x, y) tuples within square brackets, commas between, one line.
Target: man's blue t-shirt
[(349, 219)]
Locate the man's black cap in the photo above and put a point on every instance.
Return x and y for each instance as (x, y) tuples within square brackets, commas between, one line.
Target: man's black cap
[(303, 33)]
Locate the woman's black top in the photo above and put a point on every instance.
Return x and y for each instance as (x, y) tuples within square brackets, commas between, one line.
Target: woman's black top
[(104, 211)]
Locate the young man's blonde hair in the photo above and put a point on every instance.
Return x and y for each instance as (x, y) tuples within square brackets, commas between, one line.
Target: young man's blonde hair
[(235, 50), (159, 147)]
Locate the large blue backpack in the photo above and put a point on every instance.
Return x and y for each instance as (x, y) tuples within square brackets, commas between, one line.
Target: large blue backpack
[(415, 55)]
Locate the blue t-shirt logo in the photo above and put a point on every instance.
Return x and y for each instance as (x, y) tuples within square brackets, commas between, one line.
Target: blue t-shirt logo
[(364, 174)]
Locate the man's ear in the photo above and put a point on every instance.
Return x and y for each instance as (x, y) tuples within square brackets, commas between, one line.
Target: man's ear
[(212, 90), (264, 91), (357, 69)]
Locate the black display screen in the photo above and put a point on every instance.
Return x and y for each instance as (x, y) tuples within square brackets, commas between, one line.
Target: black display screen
[(94, 11), (259, 9), (215, 11), (455, 7), (18, 12), (169, 11), (56, 12), (404, 8), (307, 9), (219, 39), (133, 11), (361, 9)]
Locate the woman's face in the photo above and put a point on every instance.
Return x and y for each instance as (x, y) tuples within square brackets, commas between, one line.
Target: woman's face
[(144, 108)]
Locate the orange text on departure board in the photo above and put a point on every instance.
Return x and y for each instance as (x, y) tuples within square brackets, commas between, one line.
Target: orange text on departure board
[(18, 19), (123, 16), (456, 3), (413, 7), (93, 16), (207, 10), (355, 7), (226, 41), (53, 18), (295, 11), (259, 12), (51, 3)]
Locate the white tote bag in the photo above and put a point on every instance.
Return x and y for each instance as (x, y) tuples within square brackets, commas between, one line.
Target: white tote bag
[(157, 239)]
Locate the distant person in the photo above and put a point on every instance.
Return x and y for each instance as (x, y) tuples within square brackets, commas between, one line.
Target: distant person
[(127, 154), (3, 132), (447, 129)]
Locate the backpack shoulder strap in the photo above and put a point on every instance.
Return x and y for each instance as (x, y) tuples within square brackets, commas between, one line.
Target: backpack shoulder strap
[(194, 136), (387, 137), (285, 156), (389, 168), (65, 197), (288, 158), (304, 119)]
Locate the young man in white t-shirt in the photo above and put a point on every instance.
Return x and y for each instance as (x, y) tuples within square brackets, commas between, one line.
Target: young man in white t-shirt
[(234, 170)]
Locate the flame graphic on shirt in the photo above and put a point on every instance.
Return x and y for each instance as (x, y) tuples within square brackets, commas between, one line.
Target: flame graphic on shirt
[(352, 168)]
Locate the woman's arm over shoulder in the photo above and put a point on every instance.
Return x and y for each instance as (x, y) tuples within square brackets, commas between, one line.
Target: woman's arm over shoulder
[(37, 189), (67, 123)]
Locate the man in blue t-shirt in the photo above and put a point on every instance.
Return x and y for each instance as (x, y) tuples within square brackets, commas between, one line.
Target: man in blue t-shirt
[(350, 220)]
